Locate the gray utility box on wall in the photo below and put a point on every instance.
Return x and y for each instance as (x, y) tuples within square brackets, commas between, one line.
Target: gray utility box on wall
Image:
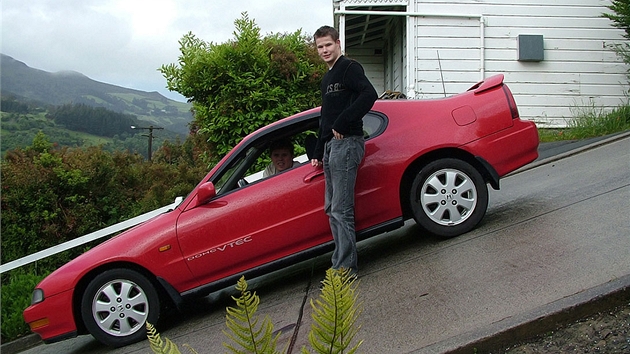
[(530, 47)]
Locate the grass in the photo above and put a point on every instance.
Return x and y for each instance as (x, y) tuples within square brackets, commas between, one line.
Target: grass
[(590, 122)]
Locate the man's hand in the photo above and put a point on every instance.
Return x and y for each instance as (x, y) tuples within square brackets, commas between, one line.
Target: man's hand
[(315, 162), (337, 135)]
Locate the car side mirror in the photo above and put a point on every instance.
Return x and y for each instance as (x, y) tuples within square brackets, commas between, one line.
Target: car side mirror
[(206, 192)]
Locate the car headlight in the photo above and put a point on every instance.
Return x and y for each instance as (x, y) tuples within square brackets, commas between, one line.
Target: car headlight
[(38, 296)]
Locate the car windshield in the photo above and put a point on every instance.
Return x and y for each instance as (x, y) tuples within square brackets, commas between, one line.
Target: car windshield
[(236, 169)]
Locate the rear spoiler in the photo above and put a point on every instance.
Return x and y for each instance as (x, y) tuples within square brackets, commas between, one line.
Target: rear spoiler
[(491, 82)]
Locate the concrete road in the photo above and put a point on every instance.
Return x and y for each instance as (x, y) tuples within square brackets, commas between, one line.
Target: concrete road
[(552, 232)]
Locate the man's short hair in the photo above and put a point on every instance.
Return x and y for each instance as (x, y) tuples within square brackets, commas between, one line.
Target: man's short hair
[(281, 144), (324, 31)]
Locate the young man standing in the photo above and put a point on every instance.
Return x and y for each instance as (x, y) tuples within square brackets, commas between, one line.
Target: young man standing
[(347, 95)]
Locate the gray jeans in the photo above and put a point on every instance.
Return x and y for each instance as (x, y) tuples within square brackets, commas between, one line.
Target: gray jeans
[(341, 162)]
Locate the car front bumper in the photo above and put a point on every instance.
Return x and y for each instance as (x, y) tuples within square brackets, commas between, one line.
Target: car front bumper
[(53, 318)]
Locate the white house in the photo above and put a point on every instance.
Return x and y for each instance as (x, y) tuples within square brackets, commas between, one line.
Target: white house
[(555, 54)]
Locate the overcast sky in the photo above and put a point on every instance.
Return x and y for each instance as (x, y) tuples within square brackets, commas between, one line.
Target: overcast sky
[(124, 42)]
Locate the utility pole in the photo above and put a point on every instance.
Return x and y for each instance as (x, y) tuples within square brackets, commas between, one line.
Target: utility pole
[(150, 136)]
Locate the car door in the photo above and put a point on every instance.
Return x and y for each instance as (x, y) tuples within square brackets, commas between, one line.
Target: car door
[(255, 224)]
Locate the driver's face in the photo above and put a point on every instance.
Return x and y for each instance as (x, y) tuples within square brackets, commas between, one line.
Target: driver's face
[(282, 159)]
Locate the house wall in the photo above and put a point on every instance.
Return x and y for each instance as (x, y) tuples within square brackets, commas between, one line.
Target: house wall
[(385, 61), (395, 56), (373, 61), (579, 71)]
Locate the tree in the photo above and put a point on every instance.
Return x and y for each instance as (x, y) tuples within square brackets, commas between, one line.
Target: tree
[(621, 20), (93, 120), (246, 83)]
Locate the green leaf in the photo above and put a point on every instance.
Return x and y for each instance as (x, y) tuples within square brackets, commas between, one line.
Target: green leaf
[(245, 332), (335, 314), (157, 345)]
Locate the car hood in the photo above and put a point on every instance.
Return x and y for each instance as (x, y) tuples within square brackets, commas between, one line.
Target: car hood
[(130, 246)]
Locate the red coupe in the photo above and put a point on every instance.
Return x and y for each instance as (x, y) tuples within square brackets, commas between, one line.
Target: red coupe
[(430, 160)]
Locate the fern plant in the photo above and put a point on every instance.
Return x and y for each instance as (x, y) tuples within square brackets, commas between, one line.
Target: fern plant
[(335, 315), (163, 347), (245, 332)]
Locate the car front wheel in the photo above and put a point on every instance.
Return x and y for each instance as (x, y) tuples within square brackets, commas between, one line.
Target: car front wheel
[(116, 305), (448, 197)]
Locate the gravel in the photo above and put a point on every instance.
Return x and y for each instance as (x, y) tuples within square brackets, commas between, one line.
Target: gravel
[(604, 332)]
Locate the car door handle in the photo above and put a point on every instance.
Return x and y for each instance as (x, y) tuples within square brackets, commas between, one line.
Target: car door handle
[(313, 175)]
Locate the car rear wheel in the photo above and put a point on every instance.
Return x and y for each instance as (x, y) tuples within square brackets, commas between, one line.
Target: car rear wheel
[(117, 304), (448, 197)]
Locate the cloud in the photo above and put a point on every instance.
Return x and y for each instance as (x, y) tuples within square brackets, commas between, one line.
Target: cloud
[(124, 42)]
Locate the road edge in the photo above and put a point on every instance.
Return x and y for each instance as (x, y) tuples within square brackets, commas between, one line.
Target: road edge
[(574, 151), (21, 344), (543, 319)]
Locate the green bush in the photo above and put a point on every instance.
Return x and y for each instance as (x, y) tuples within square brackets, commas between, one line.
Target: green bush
[(246, 83), (50, 196), (14, 301)]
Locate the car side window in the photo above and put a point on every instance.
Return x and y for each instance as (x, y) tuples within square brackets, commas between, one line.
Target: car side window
[(248, 167)]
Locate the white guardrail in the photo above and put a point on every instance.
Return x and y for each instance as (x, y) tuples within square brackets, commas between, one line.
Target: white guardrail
[(88, 238)]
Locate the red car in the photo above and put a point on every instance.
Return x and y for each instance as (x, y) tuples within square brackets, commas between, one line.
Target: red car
[(430, 160)]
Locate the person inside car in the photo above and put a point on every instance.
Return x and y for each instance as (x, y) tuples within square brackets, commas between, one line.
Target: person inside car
[(281, 152)]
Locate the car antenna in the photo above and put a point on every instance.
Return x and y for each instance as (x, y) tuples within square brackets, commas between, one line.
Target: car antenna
[(441, 75)]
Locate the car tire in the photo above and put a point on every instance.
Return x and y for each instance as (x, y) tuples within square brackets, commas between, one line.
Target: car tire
[(116, 306), (448, 197)]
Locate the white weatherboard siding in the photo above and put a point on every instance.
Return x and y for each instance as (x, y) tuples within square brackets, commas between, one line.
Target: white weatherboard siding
[(475, 39), (579, 71), (372, 63)]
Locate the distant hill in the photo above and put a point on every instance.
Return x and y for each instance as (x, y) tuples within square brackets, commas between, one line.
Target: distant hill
[(22, 81)]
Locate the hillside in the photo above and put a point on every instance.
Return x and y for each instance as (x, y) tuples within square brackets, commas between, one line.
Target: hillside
[(20, 80)]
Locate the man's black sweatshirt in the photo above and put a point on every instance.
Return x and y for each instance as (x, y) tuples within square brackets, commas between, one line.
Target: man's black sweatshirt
[(347, 96)]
